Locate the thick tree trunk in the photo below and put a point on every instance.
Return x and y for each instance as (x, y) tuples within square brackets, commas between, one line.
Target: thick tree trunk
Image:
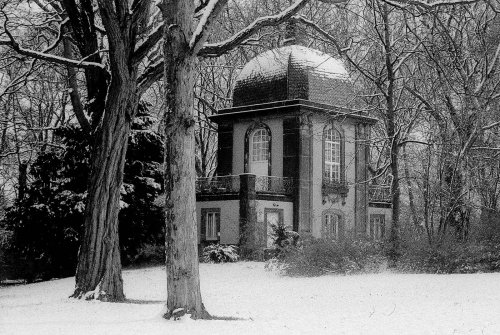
[(98, 275), (183, 282)]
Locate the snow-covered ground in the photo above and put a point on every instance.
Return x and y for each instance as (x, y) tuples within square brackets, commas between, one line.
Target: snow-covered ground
[(250, 300)]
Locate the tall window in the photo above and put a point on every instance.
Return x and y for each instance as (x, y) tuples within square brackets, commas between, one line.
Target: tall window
[(212, 232), (332, 225), (259, 148), (377, 226), (332, 169), (260, 145), (210, 224)]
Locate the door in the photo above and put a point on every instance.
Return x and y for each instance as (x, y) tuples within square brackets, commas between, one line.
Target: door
[(259, 152), (272, 216)]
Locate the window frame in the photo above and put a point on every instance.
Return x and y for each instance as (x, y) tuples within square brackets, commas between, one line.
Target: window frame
[(264, 144), (205, 212), (332, 155), (341, 155), (327, 231), (248, 146), (381, 224)]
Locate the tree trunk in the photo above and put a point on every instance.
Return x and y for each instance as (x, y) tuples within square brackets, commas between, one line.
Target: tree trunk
[(183, 282), (411, 198), (392, 134), (98, 275)]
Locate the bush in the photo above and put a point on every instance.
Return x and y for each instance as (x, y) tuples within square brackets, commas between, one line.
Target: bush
[(216, 253), (315, 257), (283, 236), (451, 257), (151, 254)]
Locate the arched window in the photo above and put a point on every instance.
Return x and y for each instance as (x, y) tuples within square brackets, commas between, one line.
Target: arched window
[(258, 149), (332, 225), (332, 155), (260, 145)]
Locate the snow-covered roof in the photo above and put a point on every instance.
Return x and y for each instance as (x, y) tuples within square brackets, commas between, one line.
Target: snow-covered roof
[(293, 72), (275, 63)]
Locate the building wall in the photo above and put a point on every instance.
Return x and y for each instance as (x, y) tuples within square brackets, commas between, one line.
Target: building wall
[(229, 219), (319, 203), (240, 129)]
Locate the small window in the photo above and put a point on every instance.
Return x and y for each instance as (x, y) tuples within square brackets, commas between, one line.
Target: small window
[(377, 226), (212, 219), (332, 224), (332, 155), (210, 224), (260, 145)]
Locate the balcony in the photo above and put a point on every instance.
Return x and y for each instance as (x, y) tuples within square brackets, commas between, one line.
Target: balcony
[(330, 187), (218, 185), (231, 185), (380, 193), (274, 185)]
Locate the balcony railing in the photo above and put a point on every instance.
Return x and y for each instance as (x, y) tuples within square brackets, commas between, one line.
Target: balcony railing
[(213, 185), (231, 184), (275, 185), (379, 193)]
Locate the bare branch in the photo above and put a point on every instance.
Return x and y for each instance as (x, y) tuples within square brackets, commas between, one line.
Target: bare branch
[(429, 4), (217, 49), (210, 14)]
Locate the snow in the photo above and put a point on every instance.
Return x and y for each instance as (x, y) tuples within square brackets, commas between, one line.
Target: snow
[(246, 299), (203, 22), (274, 63)]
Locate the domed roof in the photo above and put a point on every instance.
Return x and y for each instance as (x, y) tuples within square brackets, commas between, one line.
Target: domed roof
[(293, 72)]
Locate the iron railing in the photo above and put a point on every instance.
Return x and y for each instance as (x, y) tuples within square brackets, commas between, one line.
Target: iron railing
[(379, 193), (231, 184), (223, 184), (275, 185)]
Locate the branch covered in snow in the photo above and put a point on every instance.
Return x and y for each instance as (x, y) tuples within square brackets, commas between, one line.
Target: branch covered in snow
[(429, 4), (321, 31), (155, 70), (217, 49), (152, 73), (45, 56), (210, 14), (151, 40), (49, 57)]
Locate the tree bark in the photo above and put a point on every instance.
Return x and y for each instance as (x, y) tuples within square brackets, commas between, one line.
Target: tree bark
[(98, 275), (411, 198), (392, 134), (183, 282), (23, 180)]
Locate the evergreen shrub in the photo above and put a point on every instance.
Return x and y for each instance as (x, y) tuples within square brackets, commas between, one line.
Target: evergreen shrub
[(218, 253), (45, 226)]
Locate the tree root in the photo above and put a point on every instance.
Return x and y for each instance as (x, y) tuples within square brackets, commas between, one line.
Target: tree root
[(178, 313)]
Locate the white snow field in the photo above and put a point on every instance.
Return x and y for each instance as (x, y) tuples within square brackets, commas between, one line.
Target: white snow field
[(249, 300)]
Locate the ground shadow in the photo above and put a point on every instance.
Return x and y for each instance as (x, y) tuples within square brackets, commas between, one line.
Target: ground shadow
[(229, 318), (142, 301)]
